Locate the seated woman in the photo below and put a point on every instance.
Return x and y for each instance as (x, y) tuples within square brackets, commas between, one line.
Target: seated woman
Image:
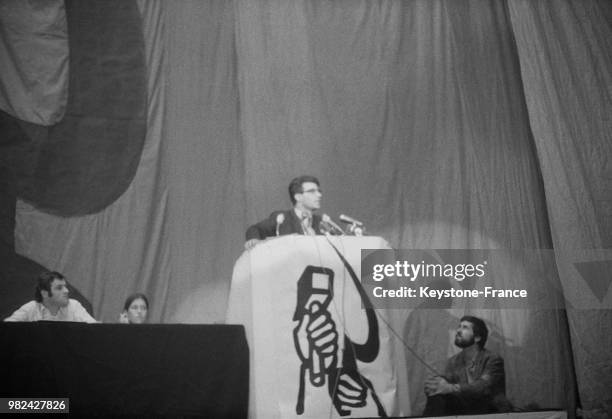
[(135, 309)]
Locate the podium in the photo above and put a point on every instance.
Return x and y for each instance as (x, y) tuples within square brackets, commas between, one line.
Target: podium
[(285, 286)]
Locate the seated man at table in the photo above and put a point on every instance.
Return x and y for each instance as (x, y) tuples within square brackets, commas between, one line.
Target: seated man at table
[(474, 380), (51, 303), (305, 195)]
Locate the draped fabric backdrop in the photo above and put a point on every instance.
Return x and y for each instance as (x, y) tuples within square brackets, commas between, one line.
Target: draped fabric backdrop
[(569, 95), (441, 123)]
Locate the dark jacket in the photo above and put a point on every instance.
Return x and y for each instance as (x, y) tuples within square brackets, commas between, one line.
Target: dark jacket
[(291, 225), (487, 391)]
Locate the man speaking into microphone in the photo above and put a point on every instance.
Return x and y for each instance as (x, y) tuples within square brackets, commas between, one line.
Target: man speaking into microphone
[(305, 194)]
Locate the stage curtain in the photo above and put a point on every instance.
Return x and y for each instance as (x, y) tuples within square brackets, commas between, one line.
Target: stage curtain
[(566, 65), (120, 249), (34, 60), (87, 155), (174, 233), (412, 113), (414, 116)]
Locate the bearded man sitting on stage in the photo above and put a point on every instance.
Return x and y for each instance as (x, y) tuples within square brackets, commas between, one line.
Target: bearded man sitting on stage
[(474, 380)]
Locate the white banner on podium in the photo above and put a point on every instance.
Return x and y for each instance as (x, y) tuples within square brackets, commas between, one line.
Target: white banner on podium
[(316, 352)]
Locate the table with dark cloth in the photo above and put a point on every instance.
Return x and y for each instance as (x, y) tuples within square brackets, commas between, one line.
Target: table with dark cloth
[(128, 369)]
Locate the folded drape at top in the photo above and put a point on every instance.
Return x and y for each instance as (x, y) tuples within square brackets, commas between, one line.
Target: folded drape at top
[(86, 159), (34, 60)]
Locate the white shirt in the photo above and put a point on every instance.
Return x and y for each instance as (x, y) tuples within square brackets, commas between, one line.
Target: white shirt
[(35, 311)]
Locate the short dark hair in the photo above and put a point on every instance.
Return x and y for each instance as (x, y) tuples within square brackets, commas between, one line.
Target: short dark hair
[(45, 280), (479, 327), (133, 297), (296, 185)]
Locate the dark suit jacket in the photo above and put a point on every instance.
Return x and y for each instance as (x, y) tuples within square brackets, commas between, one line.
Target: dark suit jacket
[(291, 225), (487, 392)]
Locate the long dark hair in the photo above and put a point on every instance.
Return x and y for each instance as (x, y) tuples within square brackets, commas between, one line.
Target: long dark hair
[(135, 296)]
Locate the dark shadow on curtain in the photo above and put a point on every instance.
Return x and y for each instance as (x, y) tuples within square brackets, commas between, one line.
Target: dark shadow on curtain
[(85, 162)]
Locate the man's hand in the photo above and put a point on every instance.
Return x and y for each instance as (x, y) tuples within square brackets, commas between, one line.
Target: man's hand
[(249, 244), (439, 385)]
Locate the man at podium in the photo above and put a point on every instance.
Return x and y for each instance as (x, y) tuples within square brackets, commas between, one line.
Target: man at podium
[(317, 349), (305, 195)]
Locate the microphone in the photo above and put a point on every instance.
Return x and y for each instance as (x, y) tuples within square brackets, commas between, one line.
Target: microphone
[(350, 220), (327, 220), (280, 218)]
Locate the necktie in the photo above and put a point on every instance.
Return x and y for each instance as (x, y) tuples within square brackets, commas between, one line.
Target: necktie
[(307, 226)]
